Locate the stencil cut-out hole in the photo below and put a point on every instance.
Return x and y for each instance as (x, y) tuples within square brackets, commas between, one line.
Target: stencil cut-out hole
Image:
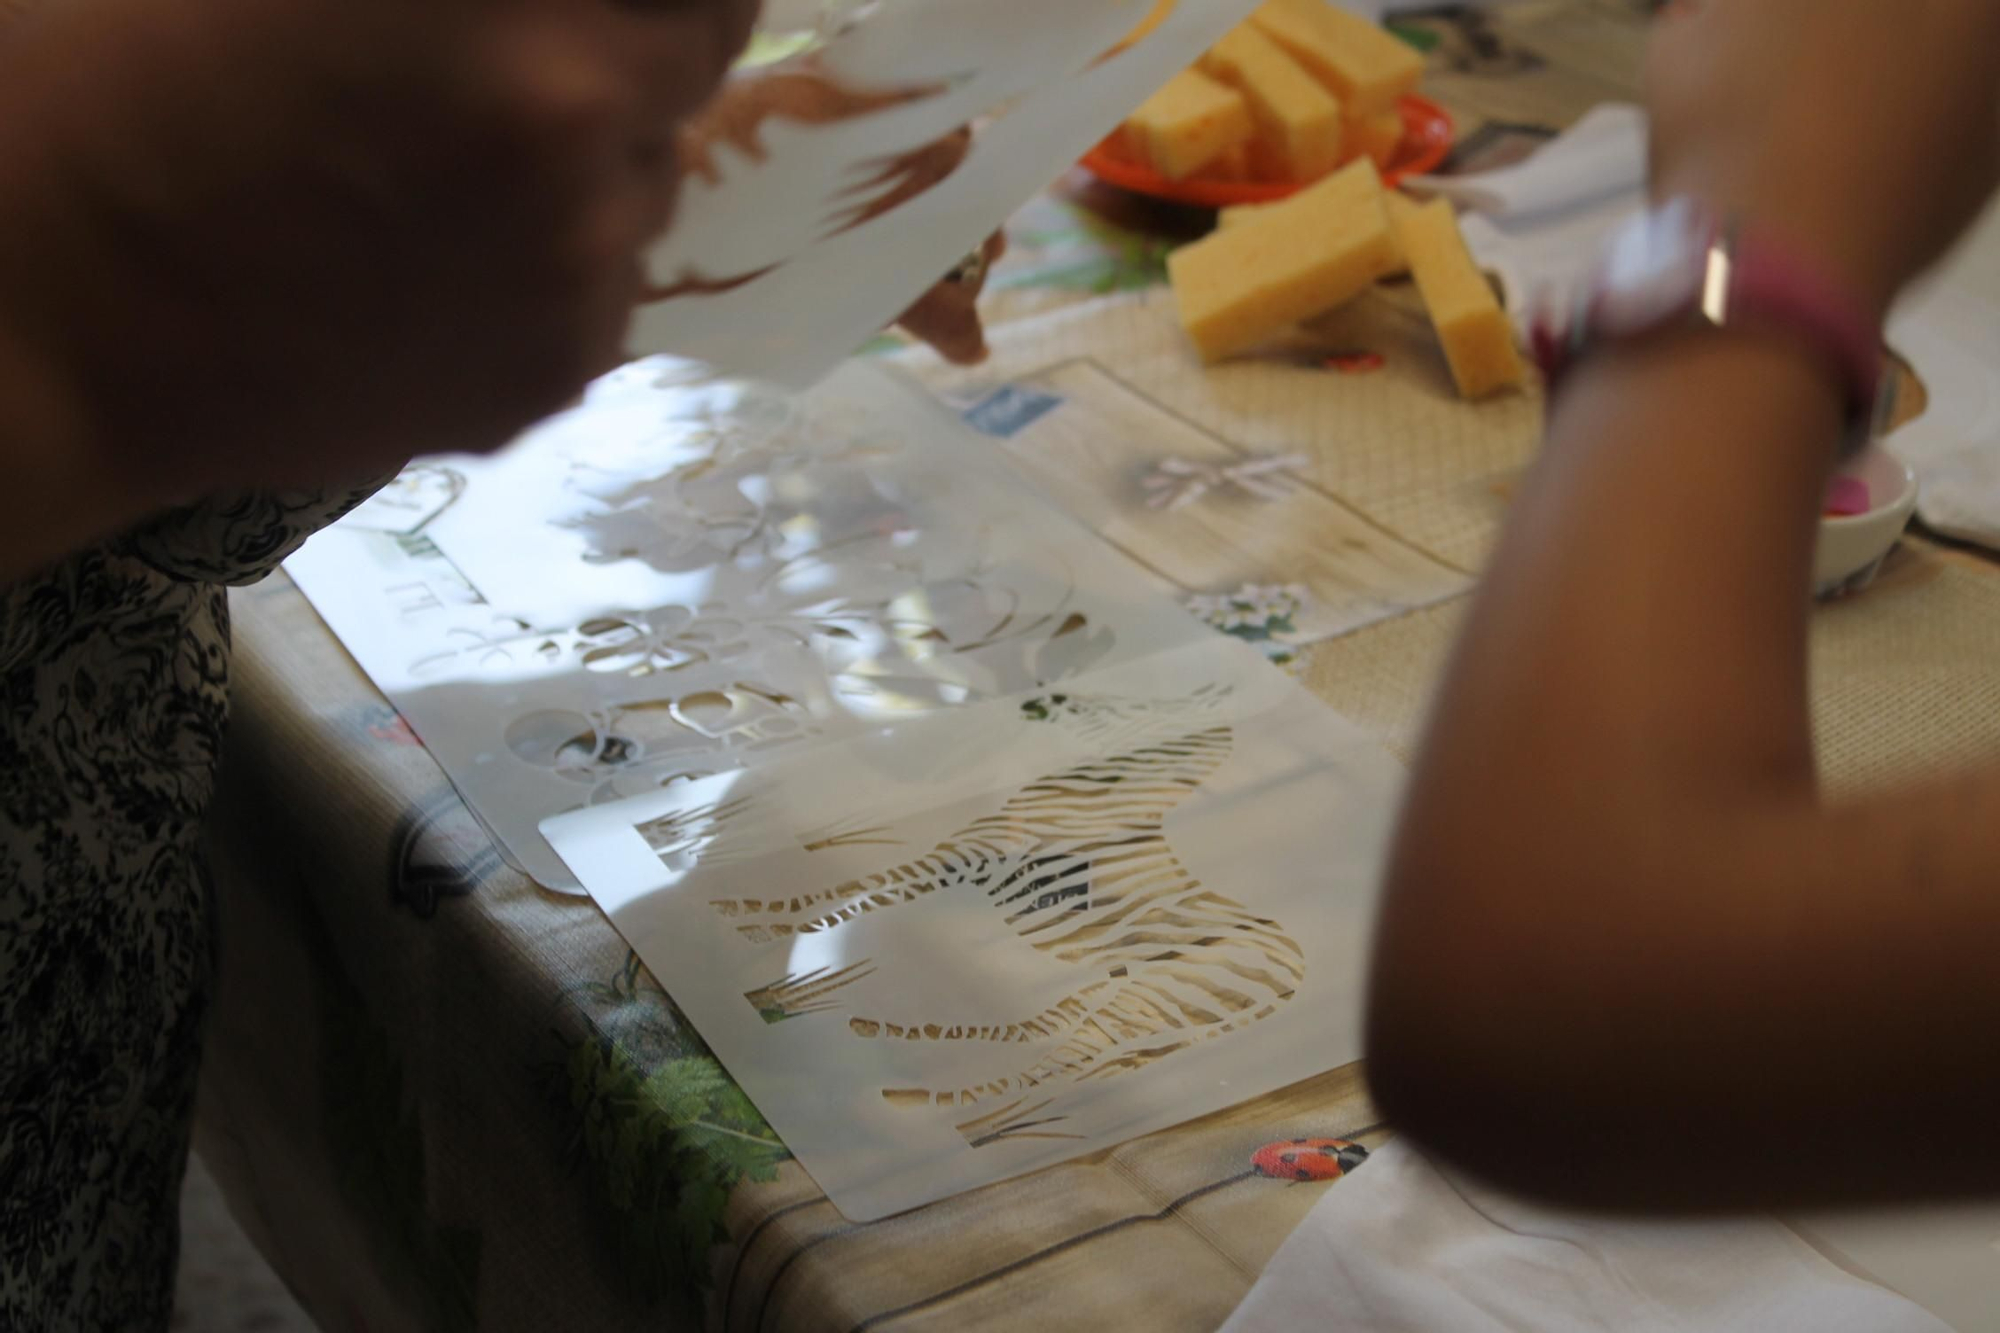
[(570, 744), (710, 710), (549, 739)]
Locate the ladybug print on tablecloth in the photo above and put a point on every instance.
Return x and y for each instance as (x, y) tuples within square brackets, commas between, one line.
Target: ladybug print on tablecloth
[(1308, 1159), (1355, 363)]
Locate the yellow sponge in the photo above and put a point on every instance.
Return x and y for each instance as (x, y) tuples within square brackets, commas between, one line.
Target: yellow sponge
[(1188, 124), (1289, 262), (1376, 137), (1237, 214), (1365, 66), (1398, 204), (1298, 120), (1478, 340)]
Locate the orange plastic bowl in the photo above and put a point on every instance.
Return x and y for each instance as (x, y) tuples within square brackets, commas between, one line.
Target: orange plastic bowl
[(1427, 136)]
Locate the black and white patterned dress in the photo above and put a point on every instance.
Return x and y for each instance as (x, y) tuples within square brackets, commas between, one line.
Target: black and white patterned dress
[(114, 681)]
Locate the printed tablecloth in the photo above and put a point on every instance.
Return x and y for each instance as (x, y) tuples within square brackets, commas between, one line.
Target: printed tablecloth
[(442, 1097)]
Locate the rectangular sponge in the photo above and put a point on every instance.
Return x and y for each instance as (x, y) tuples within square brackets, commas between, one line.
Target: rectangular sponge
[(1478, 339), (1319, 249)]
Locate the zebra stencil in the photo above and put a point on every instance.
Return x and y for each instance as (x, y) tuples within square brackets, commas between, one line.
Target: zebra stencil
[(1078, 864)]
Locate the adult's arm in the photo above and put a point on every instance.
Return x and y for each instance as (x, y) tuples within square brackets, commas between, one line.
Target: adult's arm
[(57, 490), (254, 244)]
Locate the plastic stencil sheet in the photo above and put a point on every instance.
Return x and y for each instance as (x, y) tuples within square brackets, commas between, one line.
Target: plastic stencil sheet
[(947, 952), (680, 578), (1945, 1257), (821, 202)]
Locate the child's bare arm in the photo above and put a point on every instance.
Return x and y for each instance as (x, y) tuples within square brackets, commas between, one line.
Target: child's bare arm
[(1621, 918)]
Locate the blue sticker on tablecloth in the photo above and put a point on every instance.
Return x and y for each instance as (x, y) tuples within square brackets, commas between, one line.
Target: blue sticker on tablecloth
[(1009, 410)]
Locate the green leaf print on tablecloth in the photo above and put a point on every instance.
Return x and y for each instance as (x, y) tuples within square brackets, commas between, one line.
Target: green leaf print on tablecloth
[(1067, 247), (882, 344), (660, 1133)]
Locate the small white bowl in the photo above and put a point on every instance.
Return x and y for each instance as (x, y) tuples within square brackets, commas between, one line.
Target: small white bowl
[(1851, 550)]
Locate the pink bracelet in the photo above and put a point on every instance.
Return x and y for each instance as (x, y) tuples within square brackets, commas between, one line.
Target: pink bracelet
[(1675, 267)]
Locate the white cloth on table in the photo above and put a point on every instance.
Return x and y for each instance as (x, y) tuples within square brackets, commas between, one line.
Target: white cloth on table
[(1538, 225), (1952, 339), (1400, 1246), (1602, 156)]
